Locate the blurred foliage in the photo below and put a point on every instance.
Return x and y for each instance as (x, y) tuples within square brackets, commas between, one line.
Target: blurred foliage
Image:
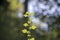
[(14, 4), (11, 25)]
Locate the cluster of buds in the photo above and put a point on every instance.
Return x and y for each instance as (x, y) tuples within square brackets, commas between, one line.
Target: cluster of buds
[(28, 26)]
